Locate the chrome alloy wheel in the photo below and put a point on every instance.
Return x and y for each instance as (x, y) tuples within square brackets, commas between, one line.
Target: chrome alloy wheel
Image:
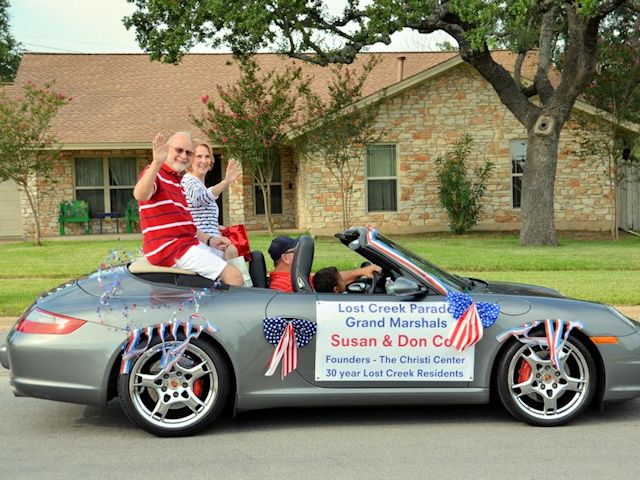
[(540, 390), (176, 399)]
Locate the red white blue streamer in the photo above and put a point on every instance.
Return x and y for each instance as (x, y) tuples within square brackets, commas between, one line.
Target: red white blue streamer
[(398, 257), (287, 335), (556, 332), (173, 347)]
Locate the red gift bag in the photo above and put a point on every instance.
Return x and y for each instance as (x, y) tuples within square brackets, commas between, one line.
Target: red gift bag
[(238, 236)]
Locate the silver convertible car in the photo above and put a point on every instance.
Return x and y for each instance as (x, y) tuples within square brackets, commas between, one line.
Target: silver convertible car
[(177, 349)]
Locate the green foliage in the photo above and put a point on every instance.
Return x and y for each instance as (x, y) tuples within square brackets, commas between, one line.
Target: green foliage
[(338, 132), (595, 270), (308, 30), (10, 50), (616, 91), (616, 87), (459, 195), (27, 149), (253, 117)]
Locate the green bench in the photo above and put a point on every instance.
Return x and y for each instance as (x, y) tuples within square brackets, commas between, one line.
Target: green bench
[(76, 211), (131, 215)]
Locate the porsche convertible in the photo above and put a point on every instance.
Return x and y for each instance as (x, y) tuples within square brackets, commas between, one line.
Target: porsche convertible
[(179, 351)]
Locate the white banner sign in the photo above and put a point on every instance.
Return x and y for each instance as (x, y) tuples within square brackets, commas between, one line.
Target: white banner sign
[(388, 341)]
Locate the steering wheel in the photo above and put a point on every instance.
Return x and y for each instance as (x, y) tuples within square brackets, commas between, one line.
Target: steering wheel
[(375, 277)]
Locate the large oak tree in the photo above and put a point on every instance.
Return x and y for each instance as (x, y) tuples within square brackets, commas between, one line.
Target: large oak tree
[(305, 29)]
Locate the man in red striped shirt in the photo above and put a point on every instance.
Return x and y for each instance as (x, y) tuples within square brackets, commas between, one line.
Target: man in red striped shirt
[(169, 236)]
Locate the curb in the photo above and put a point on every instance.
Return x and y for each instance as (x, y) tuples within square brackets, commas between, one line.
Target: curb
[(7, 322)]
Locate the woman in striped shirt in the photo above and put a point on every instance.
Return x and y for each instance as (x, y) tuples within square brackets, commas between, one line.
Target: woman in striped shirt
[(202, 200)]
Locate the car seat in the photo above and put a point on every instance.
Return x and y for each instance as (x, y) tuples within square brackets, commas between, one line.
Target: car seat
[(301, 266), (258, 270)]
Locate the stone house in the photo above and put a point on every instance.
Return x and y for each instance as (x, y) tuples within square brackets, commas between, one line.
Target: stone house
[(428, 99)]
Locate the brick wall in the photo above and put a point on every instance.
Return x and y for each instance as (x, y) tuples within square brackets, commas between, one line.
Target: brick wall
[(242, 199), (423, 122), (49, 206)]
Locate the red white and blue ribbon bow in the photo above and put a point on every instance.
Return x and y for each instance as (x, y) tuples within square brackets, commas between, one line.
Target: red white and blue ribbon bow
[(556, 332), (287, 335), (471, 318)]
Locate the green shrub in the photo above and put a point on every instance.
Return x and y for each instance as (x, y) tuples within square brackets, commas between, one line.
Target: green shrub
[(459, 195)]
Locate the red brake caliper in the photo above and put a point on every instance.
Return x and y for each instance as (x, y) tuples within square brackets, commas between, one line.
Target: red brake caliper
[(524, 372), (197, 387)]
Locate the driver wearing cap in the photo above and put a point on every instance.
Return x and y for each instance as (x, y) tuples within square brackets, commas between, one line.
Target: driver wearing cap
[(282, 250)]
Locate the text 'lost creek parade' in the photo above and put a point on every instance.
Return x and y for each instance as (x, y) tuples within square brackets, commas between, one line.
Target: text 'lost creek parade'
[(394, 341)]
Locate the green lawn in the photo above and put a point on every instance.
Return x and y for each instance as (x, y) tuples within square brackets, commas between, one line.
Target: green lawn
[(597, 270)]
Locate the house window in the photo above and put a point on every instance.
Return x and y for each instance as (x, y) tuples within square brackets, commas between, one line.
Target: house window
[(518, 153), (382, 183), (276, 193), (105, 183)]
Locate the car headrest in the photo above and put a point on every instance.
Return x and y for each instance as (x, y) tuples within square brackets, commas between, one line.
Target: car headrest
[(301, 266), (258, 270)]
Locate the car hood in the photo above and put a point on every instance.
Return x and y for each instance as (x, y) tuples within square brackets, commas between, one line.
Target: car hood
[(508, 288)]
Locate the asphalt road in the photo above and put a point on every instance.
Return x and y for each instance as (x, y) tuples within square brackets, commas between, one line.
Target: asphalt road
[(43, 439)]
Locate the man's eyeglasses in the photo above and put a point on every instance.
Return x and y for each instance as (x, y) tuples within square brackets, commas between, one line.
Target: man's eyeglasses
[(180, 151)]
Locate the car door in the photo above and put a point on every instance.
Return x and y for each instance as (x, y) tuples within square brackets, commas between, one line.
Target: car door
[(377, 340)]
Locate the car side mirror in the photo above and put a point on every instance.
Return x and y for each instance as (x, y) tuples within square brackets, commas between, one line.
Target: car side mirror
[(403, 287)]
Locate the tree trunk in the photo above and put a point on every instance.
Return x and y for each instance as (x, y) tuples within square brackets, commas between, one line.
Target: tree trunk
[(613, 184), (266, 198), (538, 178), (36, 218)]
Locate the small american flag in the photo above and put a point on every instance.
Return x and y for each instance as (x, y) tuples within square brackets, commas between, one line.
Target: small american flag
[(287, 335), (468, 329), (471, 319)]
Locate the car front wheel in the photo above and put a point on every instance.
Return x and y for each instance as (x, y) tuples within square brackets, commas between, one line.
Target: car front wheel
[(181, 401), (532, 389)]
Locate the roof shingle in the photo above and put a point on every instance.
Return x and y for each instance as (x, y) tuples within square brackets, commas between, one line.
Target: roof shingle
[(127, 98)]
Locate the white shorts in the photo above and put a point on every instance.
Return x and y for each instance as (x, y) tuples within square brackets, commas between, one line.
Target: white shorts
[(202, 260)]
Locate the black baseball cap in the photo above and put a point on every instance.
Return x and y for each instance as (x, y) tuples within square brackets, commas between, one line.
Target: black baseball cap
[(280, 245)]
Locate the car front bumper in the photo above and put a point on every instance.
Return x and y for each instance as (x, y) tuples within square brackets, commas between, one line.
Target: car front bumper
[(622, 368)]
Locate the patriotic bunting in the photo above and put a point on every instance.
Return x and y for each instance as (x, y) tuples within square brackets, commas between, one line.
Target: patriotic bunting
[(172, 350), (471, 318), (556, 332), (287, 335)]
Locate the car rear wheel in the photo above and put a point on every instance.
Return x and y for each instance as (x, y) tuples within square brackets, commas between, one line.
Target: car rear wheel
[(532, 389), (182, 401)]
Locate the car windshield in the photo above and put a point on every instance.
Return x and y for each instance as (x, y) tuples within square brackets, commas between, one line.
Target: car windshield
[(459, 283)]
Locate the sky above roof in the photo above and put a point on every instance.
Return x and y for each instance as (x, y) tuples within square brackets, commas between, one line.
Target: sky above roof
[(95, 26)]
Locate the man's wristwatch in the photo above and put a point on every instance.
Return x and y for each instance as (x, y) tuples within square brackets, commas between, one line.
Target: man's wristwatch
[(209, 241)]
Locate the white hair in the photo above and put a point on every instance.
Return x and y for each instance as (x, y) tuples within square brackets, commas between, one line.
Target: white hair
[(181, 134)]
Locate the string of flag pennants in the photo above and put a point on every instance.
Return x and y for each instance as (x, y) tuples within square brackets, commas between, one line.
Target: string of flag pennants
[(172, 346), (556, 332)]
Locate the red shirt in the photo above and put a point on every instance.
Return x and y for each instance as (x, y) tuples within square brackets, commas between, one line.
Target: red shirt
[(282, 281), (167, 228)]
